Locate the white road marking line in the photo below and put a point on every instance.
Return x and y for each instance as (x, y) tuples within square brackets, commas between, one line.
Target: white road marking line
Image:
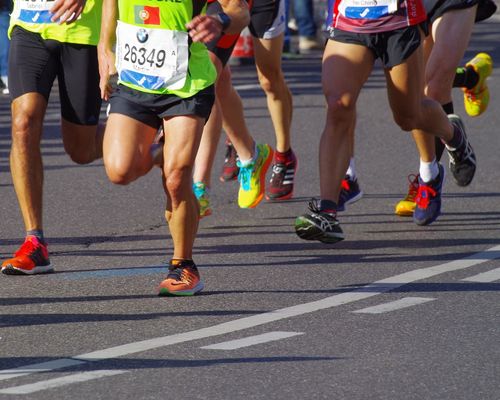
[(251, 340), (485, 277), (63, 381), (394, 305), (40, 367), (364, 292)]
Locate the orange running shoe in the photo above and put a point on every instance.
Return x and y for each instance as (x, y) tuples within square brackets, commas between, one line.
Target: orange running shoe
[(183, 279), (31, 258)]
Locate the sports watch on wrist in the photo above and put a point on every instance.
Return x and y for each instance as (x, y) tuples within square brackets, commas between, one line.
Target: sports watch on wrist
[(224, 19)]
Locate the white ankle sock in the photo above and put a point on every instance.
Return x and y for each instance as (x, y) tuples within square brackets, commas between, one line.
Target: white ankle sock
[(428, 170)]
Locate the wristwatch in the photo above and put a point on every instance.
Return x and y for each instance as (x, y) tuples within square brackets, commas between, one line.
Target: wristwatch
[(224, 19)]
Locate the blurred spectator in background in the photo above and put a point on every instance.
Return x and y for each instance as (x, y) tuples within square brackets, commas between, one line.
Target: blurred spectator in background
[(302, 20), (5, 10)]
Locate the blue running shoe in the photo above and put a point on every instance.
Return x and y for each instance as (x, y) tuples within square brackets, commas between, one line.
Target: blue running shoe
[(349, 193), (428, 200)]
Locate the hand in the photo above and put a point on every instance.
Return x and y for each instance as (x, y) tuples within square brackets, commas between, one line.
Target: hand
[(106, 70), (67, 11), (204, 28)]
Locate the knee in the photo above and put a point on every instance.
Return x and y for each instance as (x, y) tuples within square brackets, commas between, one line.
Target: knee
[(406, 122), (340, 107), (78, 156), (22, 126), (439, 89), (178, 184), (118, 173), (272, 81)]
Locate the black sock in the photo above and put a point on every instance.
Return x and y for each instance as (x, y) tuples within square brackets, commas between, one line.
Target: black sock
[(38, 233), (439, 148), (448, 109), (457, 139), (328, 206), (466, 77)]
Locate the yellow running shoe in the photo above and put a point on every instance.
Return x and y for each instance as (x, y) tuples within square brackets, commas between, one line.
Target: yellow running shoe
[(476, 99), (406, 206), (252, 177)]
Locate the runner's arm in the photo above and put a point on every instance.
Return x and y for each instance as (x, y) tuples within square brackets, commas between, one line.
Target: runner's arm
[(205, 28), (105, 51)]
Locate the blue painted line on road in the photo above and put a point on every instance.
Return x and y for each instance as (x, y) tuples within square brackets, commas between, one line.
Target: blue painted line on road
[(110, 273)]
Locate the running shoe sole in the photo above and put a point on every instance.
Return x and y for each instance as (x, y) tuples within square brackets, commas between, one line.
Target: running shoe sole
[(188, 292), (11, 270)]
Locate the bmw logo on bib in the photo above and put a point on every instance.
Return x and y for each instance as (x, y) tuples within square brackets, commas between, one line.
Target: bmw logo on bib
[(142, 35)]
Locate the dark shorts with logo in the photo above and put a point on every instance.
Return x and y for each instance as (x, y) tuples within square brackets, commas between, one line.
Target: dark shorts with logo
[(437, 8), (34, 63), (263, 13), (150, 109), (392, 47)]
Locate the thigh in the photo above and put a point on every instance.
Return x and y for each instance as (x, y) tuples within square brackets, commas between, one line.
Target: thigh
[(405, 83), (182, 139), (79, 84), (267, 54), (450, 35), (126, 143), (33, 65), (345, 69), (130, 130)]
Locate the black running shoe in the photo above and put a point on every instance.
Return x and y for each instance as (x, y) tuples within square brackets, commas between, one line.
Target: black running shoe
[(462, 159), (318, 225)]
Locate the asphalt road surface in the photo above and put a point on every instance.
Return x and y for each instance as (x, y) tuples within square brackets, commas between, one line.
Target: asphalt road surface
[(395, 311)]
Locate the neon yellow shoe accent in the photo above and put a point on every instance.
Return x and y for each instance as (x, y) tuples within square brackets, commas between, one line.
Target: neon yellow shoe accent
[(252, 177), (201, 192), (476, 100), (405, 207)]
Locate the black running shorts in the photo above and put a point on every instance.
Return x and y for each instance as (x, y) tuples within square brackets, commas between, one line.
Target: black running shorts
[(150, 109), (392, 47), (437, 8), (34, 63), (267, 21)]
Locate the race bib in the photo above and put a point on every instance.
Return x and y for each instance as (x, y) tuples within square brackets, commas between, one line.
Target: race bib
[(151, 58), (35, 11), (368, 9)]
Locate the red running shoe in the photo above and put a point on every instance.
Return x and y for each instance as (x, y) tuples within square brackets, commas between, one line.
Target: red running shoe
[(229, 170), (281, 183), (31, 258)]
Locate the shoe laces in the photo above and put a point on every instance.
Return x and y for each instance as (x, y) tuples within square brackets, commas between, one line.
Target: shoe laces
[(314, 206), (412, 187), (245, 175), (345, 185), (462, 153), (181, 273), (199, 189), (424, 194), (278, 174)]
